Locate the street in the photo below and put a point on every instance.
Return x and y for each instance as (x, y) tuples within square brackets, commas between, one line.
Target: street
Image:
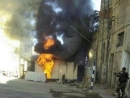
[(20, 88)]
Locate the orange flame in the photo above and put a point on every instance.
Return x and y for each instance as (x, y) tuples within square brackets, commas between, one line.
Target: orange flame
[(49, 42), (46, 62)]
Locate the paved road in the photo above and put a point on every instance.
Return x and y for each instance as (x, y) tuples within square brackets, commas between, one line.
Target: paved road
[(18, 88)]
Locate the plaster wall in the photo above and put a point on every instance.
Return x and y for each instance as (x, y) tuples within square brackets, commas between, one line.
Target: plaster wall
[(61, 67)]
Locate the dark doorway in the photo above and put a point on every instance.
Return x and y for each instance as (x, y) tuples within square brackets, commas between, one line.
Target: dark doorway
[(80, 73)]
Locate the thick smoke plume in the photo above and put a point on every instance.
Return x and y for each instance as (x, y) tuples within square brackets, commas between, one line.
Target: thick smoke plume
[(16, 17), (56, 19)]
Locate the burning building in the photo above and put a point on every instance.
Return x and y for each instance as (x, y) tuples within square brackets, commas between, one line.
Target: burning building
[(46, 60), (58, 22)]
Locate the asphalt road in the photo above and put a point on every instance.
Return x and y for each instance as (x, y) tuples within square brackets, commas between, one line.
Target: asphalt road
[(20, 88)]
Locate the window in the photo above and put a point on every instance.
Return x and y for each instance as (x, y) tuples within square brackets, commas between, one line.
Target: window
[(120, 39)]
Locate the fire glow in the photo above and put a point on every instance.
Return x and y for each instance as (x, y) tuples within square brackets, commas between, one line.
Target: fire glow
[(49, 42), (46, 60)]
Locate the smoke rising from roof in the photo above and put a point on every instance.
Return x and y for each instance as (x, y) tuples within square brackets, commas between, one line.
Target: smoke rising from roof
[(54, 19)]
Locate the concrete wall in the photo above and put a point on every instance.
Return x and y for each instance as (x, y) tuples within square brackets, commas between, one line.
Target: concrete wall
[(71, 72), (118, 56), (56, 70), (61, 67), (126, 63), (38, 68)]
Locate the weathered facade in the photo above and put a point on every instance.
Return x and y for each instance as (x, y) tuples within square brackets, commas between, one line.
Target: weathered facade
[(111, 43)]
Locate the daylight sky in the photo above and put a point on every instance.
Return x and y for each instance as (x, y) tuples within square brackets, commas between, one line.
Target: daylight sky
[(96, 4)]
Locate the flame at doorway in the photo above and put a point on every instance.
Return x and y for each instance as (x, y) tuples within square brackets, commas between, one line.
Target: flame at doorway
[(46, 60)]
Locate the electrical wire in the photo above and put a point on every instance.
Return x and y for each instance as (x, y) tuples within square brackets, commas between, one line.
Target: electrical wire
[(81, 34)]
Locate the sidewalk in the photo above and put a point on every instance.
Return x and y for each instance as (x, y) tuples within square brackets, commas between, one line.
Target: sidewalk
[(104, 92), (97, 89)]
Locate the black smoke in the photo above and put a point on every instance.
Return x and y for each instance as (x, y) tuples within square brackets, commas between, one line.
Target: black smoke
[(55, 18)]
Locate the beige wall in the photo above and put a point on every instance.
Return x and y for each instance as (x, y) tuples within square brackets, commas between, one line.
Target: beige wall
[(38, 68), (118, 56), (61, 67)]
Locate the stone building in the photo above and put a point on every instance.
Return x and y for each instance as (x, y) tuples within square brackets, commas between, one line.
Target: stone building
[(111, 43)]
